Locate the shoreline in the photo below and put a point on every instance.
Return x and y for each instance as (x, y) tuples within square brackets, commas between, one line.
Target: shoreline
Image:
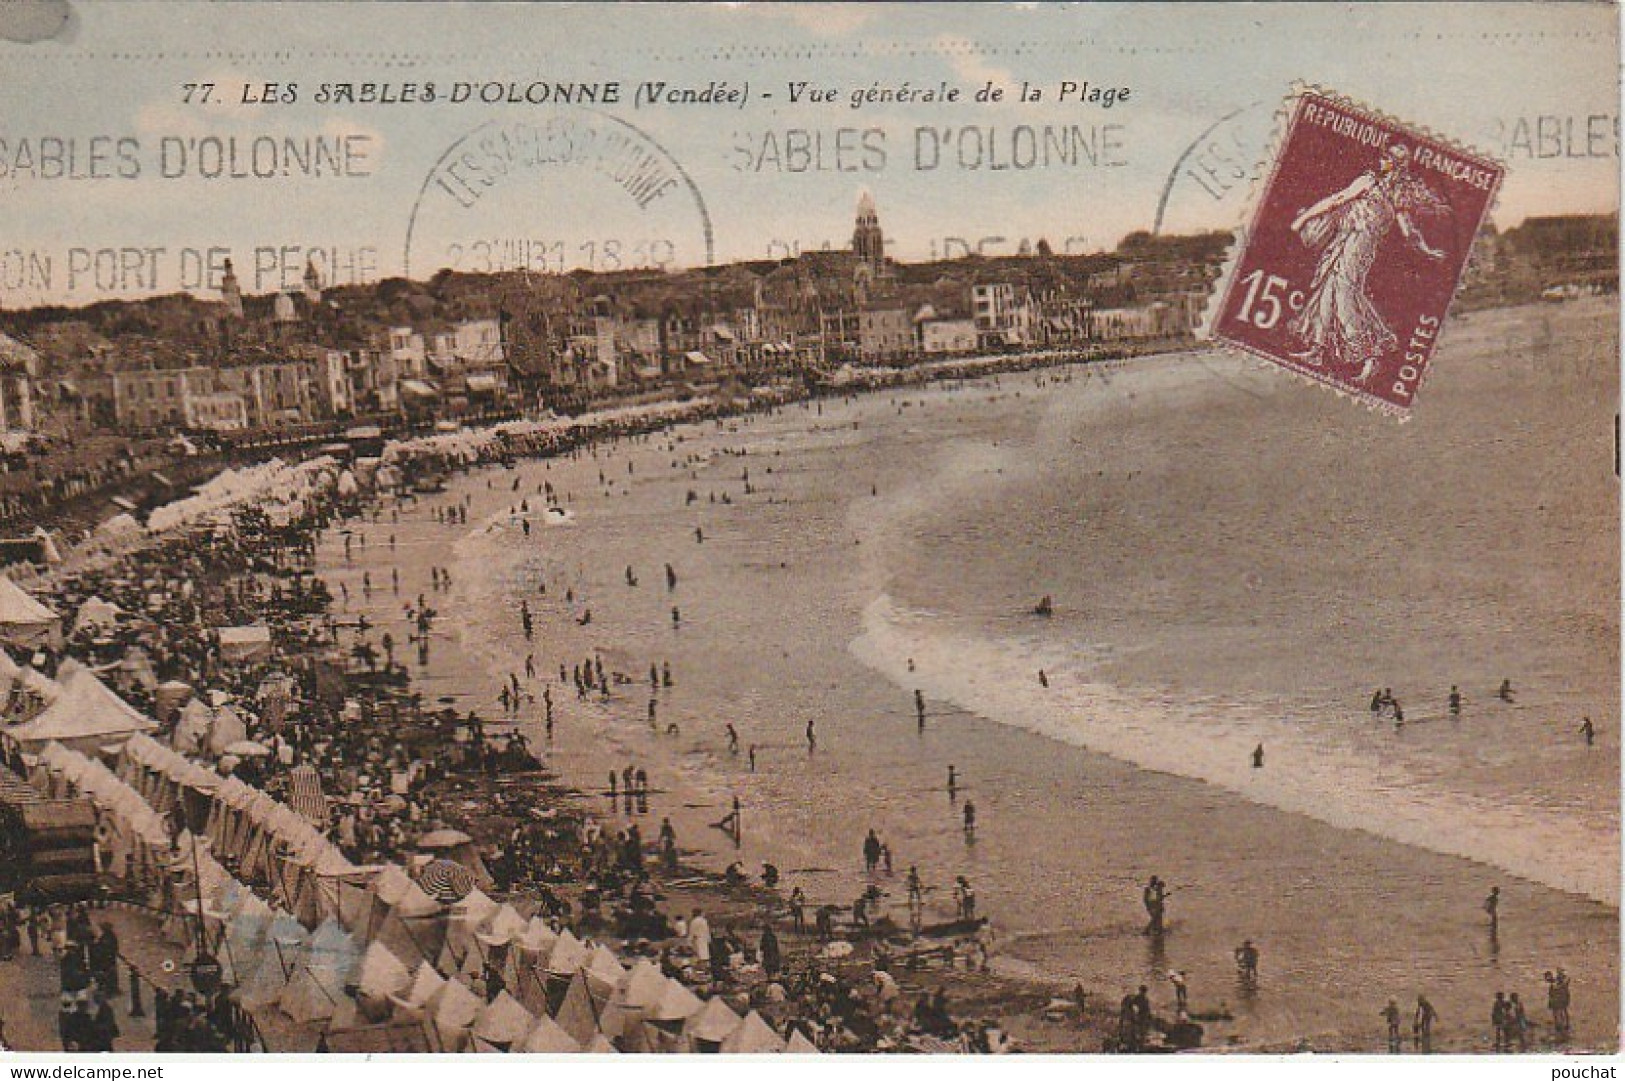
[(593, 736), (700, 758)]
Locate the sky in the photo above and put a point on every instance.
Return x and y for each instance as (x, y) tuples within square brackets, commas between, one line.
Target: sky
[(546, 186)]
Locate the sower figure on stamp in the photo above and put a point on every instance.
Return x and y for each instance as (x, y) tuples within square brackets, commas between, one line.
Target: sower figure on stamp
[(1339, 324)]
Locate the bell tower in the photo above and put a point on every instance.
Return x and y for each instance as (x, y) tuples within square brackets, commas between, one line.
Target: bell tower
[(868, 243)]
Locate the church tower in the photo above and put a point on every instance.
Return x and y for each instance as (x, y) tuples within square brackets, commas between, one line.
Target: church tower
[(231, 292), (868, 243), (313, 283)]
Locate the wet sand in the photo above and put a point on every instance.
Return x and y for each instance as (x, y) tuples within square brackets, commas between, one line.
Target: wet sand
[(771, 604)]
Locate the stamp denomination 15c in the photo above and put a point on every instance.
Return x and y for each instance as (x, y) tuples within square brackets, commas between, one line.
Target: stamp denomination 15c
[(1359, 235)]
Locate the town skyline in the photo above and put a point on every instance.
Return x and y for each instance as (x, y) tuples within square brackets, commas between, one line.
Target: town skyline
[(149, 169)]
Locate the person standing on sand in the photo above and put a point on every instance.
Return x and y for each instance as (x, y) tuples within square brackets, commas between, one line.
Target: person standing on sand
[(1501, 1022), (919, 708), (953, 783), (812, 739), (798, 910), (1492, 906), (871, 852), (1519, 1021), (1505, 693), (1155, 898), (1390, 1014), (1557, 1000), (1589, 731), (1422, 1025), (1181, 993), (733, 740), (970, 820), (699, 938), (1247, 962), (1455, 701), (1258, 757)]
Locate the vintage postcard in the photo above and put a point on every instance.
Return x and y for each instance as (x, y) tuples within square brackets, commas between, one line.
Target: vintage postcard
[(809, 528)]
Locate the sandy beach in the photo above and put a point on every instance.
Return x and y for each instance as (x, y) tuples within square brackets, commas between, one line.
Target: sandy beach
[(1236, 558)]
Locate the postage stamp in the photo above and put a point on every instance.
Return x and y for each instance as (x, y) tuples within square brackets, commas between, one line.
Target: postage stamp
[(1357, 240)]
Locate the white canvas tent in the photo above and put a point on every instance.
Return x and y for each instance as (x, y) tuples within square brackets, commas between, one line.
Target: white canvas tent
[(714, 1023), (24, 621), (454, 1016), (85, 716), (317, 985), (547, 1038), (380, 975), (277, 960), (96, 615), (754, 1036), (502, 1025), (250, 643), (422, 996)]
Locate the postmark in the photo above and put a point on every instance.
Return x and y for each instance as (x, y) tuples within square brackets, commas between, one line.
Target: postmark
[(1358, 237), (569, 189)]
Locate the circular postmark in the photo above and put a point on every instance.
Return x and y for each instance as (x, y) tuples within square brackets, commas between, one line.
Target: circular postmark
[(567, 190), (1207, 187)]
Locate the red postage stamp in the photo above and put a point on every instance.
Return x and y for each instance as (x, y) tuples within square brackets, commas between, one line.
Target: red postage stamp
[(1359, 236)]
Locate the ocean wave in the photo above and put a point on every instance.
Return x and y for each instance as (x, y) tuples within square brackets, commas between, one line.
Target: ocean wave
[(1308, 771)]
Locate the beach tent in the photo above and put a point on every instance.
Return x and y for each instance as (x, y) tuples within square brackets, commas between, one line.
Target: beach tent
[(547, 1038), (238, 644), (600, 1045), (576, 1014), (754, 1036), (454, 1016), (379, 976), (244, 940), (414, 927), (276, 963), (317, 985), (355, 898), (121, 525), (135, 670), (536, 943), (96, 615), (644, 986), (24, 621), (621, 1018), (604, 973), (502, 1024), (798, 1044), (568, 955), (228, 727), (86, 715), (503, 927), (49, 553), (422, 996), (675, 1004), (662, 1029), (192, 730), (714, 1023), (526, 964)]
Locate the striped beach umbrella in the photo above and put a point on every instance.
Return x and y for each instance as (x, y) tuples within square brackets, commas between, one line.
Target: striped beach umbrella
[(445, 881)]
